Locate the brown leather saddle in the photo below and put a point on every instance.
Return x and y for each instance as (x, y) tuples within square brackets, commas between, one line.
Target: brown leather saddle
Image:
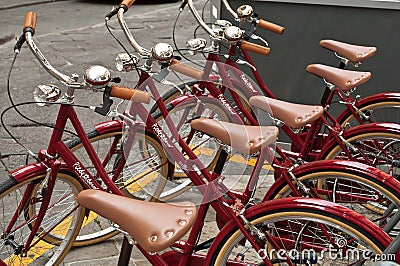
[(154, 226), (245, 139)]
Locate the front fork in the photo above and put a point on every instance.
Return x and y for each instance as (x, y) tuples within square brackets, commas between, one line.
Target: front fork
[(46, 186)]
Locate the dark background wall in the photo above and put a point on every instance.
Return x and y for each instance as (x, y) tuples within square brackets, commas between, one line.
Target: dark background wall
[(306, 24)]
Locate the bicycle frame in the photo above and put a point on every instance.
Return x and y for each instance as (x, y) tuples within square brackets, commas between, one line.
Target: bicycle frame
[(50, 166), (211, 190)]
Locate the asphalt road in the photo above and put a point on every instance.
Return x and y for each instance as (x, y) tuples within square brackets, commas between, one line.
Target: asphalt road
[(72, 35)]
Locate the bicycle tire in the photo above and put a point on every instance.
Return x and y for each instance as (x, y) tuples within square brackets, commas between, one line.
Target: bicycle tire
[(58, 221), (99, 228), (212, 109), (383, 156), (350, 188), (379, 110), (274, 218)]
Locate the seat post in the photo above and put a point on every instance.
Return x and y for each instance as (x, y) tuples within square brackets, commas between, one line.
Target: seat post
[(327, 96), (220, 162), (342, 65), (125, 253)]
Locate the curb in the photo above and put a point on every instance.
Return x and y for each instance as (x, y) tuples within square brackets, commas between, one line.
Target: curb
[(15, 4)]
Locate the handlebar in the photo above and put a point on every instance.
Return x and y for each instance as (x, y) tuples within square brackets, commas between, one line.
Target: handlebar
[(130, 94), (142, 51), (270, 26), (30, 22), (127, 4), (230, 10), (201, 22), (186, 70), (260, 22), (29, 30), (252, 47)]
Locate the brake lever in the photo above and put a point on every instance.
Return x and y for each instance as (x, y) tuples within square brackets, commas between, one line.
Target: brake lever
[(160, 77), (19, 43), (256, 37), (107, 102), (243, 62), (240, 61), (112, 13), (183, 4)]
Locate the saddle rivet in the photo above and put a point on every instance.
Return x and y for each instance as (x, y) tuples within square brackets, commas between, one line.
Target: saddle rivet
[(188, 212), (348, 82), (251, 144), (359, 55), (182, 222), (298, 119), (307, 116), (153, 238), (169, 234), (261, 139)]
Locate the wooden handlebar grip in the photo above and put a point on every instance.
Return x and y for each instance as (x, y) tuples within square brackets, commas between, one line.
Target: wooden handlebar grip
[(270, 26), (30, 21), (186, 70), (252, 47), (128, 3), (130, 94)]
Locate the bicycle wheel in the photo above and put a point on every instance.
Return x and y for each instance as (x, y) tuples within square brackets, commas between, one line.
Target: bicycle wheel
[(306, 235), (385, 110), (143, 178), (378, 147), (57, 231), (206, 148), (362, 192)]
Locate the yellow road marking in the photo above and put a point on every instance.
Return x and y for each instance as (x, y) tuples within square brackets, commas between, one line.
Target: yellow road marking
[(235, 158), (144, 179), (41, 247)]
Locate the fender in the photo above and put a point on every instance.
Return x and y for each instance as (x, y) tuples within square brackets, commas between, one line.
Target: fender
[(340, 166), (303, 203), (109, 126), (359, 130), (380, 97), (34, 169), (182, 98)]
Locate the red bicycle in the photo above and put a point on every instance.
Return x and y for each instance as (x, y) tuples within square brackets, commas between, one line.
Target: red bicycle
[(331, 180), (374, 144), (381, 107), (35, 217)]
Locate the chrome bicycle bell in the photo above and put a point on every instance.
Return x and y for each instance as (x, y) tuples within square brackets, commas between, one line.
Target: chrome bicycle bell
[(233, 33), (244, 11), (219, 26), (196, 44), (222, 23), (125, 62), (162, 52), (44, 94), (97, 77)]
